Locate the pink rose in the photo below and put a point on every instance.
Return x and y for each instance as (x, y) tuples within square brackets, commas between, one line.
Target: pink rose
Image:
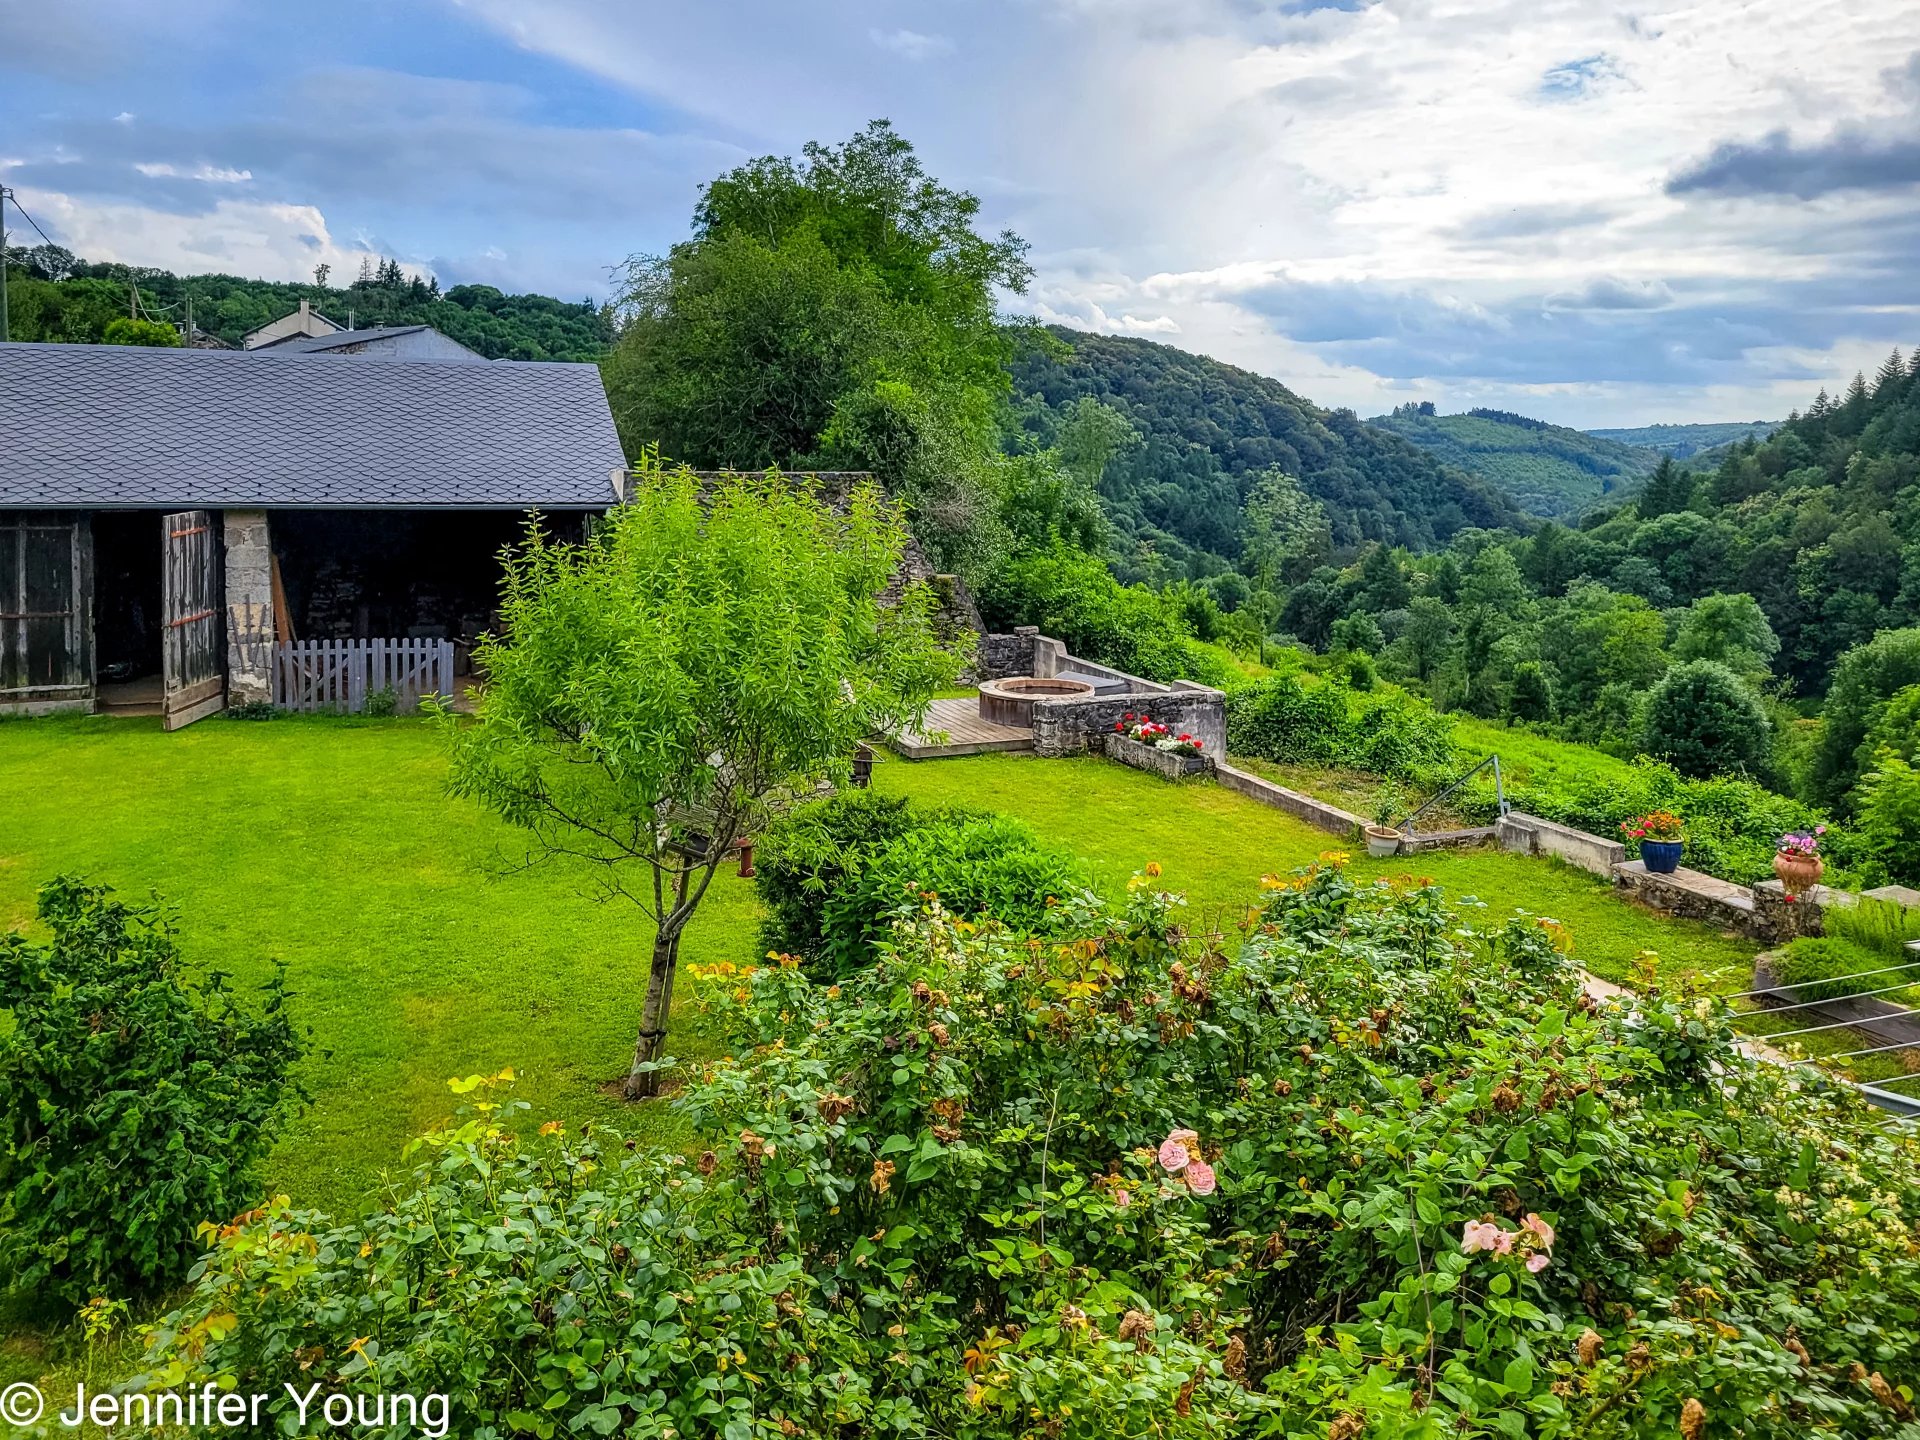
[(1122, 1199), (1174, 1152), (1538, 1261), (1200, 1177), (1539, 1229), (1479, 1235)]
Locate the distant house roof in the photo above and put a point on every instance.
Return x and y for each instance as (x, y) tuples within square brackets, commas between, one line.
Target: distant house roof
[(304, 321), (124, 426), (395, 342)]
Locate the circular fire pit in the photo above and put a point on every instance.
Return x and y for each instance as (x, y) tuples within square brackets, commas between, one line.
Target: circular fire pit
[(1010, 702)]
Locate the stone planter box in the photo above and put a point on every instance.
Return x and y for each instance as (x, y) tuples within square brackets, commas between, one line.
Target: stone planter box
[(1163, 763)]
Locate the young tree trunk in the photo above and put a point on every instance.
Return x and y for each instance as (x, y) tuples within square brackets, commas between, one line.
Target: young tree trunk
[(652, 1042)]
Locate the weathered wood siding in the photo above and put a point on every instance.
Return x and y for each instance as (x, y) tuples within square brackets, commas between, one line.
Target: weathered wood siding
[(46, 609), (192, 638)]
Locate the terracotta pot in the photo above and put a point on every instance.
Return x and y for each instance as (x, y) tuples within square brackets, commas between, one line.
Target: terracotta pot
[(1798, 872)]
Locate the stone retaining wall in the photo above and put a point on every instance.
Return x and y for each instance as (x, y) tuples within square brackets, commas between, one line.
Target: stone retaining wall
[(1532, 835), (1319, 813), (1692, 896)]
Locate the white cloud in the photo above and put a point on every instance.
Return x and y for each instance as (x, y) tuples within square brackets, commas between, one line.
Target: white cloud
[(212, 174), (1365, 200), (911, 44), (236, 237)]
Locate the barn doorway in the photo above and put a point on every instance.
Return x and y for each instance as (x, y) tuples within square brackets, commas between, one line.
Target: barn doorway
[(127, 610)]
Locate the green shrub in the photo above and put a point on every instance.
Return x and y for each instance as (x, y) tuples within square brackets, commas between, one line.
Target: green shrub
[(978, 867), (1828, 957), (809, 853), (1074, 598), (138, 1098), (1704, 720), (833, 874), (1380, 1172), (1887, 829), (1298, 722), (1882, 926)]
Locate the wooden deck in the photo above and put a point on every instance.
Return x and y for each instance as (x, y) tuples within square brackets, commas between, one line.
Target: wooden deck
[(960, 731)]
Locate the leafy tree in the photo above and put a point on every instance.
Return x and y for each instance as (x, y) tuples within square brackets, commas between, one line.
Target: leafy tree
[(138, 1097), (1866, 678), (1284, 534), (836, 311), (1705, 721), (1731, 629), (1358, 634), (126, 330), (1530, 697), (659, 692), (1428, 632), (1091, 437)]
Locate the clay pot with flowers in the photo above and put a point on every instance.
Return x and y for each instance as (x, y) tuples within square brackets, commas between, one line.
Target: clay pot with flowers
[(1663, 839), (1797, 860)]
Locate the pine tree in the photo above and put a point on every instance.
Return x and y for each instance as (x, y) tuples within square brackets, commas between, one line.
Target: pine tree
[(1891, 383), (1669, 488), (1850, 417)]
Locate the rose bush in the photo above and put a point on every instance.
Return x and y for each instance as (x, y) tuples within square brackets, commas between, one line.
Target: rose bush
[(1369, 1164)]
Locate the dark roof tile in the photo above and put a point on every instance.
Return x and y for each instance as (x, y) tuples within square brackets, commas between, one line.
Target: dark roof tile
[(100, 426)]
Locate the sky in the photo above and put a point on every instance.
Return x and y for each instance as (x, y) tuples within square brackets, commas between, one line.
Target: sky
[(1592, 213)]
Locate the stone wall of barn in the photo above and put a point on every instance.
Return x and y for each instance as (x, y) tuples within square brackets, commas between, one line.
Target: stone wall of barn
[(249, 546)]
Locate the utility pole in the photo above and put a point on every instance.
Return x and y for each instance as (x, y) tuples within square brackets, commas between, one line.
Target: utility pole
[(5, 195)]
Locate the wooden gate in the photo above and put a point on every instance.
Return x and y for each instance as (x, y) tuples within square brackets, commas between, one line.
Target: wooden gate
[(195, 683), (346, 674), (46, 620)]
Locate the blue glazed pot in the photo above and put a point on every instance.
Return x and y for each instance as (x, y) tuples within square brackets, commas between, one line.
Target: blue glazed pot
[(1662, 857)]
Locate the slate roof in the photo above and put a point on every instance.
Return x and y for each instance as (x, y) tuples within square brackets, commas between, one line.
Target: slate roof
[(307, 344), (123, 426)]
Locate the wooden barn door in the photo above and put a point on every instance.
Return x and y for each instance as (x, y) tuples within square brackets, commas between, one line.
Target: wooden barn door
[(46, 620), (195, 685)]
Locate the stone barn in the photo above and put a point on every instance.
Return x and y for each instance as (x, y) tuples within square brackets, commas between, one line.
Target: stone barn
[(174, 524)]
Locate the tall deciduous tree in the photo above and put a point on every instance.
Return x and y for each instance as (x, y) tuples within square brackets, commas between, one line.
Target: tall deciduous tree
[(656, 693), (835, 311)]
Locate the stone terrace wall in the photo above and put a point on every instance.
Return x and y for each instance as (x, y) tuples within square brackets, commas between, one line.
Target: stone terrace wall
[(1319, 813), (1074, 725), (1531, 835)]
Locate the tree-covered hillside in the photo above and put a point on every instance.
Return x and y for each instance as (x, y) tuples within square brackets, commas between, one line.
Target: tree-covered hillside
[(1209, 430), (54, 297), (1548, 470), (1685, 441)]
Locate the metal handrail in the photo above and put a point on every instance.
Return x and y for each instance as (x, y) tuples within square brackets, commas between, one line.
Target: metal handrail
[(1499, 792)]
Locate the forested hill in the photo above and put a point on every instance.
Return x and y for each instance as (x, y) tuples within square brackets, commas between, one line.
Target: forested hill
[(1684, 441), (54, 297), (1548, 470), (1210, 428)]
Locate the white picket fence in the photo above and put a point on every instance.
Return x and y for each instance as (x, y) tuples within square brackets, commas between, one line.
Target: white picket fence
[(341, 674)]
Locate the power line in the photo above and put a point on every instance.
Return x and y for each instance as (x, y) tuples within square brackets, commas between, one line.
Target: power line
[(14, 196)]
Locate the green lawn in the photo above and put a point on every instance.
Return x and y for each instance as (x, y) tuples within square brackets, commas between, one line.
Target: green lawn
[(419, 948)]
